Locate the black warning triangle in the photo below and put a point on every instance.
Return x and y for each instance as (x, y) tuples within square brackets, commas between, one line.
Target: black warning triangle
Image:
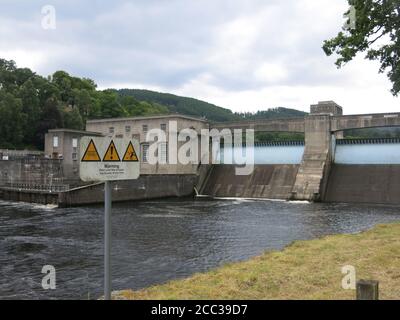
[(130, 153), (111, 153), (91, 153)]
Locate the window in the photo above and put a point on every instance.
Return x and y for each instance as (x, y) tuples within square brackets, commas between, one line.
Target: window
[(74, 156), (145, 152), (127, 129), (163, 152), (111, 130), (74, 143), (145, 128), (55, 141), (163, 127)]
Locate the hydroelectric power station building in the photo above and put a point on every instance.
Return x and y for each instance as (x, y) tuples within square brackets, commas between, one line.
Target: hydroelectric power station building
[(325, 167)]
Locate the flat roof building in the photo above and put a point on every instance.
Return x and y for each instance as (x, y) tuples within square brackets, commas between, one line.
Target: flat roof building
[(138, 127), (64, 144)]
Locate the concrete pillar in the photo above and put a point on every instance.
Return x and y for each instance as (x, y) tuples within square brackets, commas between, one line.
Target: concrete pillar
[(311, 179)]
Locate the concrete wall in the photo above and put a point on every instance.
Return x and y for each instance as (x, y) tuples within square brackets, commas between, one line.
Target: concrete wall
[(276, 125), (144, 188), (364, 184), (266, 181), (340, 123), (31, 171), (29, 196)]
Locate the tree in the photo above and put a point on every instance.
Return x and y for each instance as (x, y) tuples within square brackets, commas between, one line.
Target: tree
[(376, 31), (31, 108), (110, 107), (11, 121), (63, 82), (83, 101), (51, 118), (73, 119)]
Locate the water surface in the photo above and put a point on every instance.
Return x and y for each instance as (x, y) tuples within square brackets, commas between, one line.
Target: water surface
[(156, 241)]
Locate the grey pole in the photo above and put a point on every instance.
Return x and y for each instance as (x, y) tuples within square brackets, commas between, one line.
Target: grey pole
[(107, 240)]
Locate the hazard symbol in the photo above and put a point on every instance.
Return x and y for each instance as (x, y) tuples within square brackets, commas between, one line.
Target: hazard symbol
[(111, 153), (91, 153), (130, 153)]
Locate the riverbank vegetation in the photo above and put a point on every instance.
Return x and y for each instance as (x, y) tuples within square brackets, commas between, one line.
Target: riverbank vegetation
[(304, 270)]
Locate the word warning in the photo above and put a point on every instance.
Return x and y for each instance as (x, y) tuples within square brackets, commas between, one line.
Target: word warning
[(101, 160)]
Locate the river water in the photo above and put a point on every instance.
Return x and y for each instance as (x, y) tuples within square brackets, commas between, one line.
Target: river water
[(156, 241)]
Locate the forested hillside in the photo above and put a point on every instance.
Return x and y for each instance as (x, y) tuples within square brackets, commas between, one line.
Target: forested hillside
[(31, 104), (182, 105), (198, 108)]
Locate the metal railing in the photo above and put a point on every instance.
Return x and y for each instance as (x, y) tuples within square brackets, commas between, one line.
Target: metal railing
[(37, 187), (367, 141), (270, 144), (20, 154)]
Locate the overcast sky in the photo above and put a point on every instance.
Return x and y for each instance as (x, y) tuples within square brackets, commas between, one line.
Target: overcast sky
[(244, 55)]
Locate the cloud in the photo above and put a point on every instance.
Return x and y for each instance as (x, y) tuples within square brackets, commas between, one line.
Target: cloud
[(245, 55)]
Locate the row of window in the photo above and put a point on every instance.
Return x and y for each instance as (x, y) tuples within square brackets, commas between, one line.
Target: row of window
[(145, 128)]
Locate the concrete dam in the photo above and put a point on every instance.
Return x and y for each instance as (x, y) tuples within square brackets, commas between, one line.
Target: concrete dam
[(325, 167), (362, 170), (273, 177)]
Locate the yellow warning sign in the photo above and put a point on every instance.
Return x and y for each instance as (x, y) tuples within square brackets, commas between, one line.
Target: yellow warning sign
[(130, 153), (91, 153), (111, 153)]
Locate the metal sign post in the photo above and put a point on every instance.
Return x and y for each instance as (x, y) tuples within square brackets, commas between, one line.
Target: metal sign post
[(107, 240), (101, 161)]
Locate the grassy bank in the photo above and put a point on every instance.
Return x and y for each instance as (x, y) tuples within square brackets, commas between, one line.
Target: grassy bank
[(304, 270)]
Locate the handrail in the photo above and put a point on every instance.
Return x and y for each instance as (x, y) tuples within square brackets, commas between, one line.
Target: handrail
[(37, 187), (367, 141)]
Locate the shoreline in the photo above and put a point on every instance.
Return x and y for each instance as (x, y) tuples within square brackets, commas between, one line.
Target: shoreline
[(304, 269)]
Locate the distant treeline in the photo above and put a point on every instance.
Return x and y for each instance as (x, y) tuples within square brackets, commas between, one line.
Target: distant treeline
[(373, 133)]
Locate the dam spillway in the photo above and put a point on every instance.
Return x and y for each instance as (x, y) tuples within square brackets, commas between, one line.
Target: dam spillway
[(362, 171), (273, 181)]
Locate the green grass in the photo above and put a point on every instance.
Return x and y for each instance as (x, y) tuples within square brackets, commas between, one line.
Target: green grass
[(303, 270)]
